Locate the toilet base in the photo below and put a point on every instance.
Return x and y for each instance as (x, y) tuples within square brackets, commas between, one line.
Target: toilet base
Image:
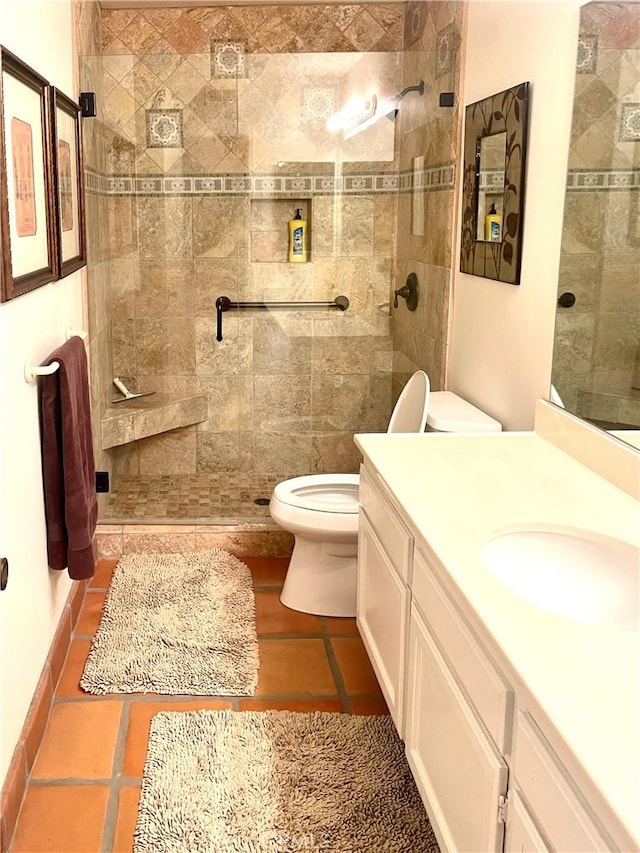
[(321, 578)]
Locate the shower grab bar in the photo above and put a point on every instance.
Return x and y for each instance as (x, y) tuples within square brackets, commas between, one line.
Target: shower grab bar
[(223, 303)]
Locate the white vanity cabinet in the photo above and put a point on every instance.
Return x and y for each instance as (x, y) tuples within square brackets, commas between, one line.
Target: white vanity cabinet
[(488, 775), (384, 567), (458, 716)]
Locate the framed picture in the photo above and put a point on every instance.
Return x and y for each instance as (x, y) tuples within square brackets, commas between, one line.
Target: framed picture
[(68, 183), (28, 239)]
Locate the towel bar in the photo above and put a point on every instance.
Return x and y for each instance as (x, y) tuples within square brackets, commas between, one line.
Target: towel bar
[(30, 372)]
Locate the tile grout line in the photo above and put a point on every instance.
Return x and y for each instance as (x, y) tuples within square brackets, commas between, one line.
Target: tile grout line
[(335, 671), (117, 767)]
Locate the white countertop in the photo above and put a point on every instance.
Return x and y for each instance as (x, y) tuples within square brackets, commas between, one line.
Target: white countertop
[(458, 491)]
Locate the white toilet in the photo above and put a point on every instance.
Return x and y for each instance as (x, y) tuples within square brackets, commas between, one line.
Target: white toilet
[(321, 510)]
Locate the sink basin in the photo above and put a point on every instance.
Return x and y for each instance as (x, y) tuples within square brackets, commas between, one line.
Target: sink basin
[(571, 573)]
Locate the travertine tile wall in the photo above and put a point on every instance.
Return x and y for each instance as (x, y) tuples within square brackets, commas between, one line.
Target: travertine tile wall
[(200, 93), (597, 345), (87, 38), (433, 36)]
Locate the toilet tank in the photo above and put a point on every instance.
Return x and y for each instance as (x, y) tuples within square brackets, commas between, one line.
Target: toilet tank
[(450, 413)]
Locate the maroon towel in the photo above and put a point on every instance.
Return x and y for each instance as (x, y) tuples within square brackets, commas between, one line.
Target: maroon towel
[(68, 468)]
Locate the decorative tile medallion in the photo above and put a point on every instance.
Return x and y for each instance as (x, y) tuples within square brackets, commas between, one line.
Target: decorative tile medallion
[(228, 58), (587, 54), (630, 123), (164, 128), (318, 103), (446, 43)]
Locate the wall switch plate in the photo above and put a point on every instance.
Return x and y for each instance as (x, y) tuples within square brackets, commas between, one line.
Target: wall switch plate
[(87, 103), (102, 481)]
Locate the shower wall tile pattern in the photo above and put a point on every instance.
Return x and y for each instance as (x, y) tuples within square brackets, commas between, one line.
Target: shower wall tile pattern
[(286, 390), (432, 40), (273, 29), (598, 341)]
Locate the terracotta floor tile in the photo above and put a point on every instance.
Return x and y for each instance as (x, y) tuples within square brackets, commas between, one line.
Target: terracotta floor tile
[(303, 705), (104, 572), (341, 627), (61, 819), (141, 713), (79, 741), (376, 705), (357, 674), (69, 683), (294, 667), (267, 571), (127, 817), (272, 617), (91, 613)]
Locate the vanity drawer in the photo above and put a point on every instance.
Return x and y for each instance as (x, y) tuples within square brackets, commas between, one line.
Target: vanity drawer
[(390, 530), (551, 795), (485, 686)]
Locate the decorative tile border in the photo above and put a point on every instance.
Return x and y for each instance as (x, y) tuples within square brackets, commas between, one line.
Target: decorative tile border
[(387, 183), (603, 179)]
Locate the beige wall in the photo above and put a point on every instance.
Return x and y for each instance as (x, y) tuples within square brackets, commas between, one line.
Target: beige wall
[(502, 335), (31, 327)]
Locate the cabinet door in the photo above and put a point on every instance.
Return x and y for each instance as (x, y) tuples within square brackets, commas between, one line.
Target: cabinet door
[(458, 770), (383, 603), (521, 835)]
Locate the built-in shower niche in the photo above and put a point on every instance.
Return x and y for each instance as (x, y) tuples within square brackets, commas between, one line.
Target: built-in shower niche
[(269, 228)]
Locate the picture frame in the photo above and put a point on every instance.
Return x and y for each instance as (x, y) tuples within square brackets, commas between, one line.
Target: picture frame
[(27, 213), (68, 183), (495, 148)]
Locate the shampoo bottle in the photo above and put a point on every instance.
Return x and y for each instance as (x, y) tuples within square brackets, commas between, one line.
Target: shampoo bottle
[(298, 238), (493, 226)]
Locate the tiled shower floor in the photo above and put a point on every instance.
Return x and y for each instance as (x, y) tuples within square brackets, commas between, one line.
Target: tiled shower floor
[(204, 497)]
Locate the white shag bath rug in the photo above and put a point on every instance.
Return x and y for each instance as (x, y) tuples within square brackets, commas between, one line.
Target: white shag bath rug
[(278, 782), (177, 624)]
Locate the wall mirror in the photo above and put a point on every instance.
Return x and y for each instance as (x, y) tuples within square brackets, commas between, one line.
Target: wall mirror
[(495, 142), (596, 358)]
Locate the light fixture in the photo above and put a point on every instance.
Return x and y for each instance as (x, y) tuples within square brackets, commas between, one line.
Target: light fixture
[(359, 114)]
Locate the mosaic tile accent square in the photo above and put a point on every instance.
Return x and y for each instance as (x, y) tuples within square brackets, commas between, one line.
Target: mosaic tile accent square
[(630, 123), (587, 54), (164, 128), (228, 58), (318, 103)]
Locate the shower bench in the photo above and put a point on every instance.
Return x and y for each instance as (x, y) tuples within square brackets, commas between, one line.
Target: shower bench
[(135, 419)]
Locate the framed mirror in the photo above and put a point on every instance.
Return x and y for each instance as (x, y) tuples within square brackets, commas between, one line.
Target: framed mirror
[(495, 147)]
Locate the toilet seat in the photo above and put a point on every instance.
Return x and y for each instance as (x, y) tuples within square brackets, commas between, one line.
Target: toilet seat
[(330, 493)]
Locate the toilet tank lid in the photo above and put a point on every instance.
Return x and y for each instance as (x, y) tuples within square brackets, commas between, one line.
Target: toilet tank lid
[(450, 413)]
